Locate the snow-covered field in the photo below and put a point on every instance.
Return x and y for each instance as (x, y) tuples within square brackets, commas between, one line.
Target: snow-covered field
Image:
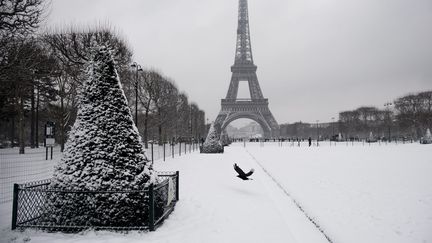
[(359, 193), (377, 193)]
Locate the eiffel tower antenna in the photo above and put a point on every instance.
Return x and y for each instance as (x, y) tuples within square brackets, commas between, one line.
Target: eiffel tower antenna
[(244, 69)]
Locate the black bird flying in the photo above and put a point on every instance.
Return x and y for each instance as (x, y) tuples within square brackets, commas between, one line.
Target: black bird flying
[(241, 174)]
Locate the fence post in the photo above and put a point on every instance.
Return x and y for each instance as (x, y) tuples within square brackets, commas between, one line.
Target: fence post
[(151, 208), (172, 149), (164, 150), (15, 206), (178, 185), (179, 148)]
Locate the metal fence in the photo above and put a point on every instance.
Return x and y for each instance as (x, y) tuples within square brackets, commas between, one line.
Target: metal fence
[(165, 151), (34, 202), (321, 143), (33, 166), (19, 168)]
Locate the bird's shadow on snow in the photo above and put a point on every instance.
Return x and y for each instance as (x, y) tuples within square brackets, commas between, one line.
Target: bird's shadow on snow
[(242, 191)]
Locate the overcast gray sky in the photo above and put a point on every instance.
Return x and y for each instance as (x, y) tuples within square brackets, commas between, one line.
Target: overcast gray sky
[(315, 58)]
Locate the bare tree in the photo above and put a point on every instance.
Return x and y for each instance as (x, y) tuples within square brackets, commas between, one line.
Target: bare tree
[(182, 114), (165, 98), (18, 19), (72, 46), (147, 87), (20, 16), (20, 82), (414, 112)]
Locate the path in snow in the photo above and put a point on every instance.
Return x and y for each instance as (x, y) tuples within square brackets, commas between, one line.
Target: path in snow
[(215, 206), (297, 203), (361, 193)]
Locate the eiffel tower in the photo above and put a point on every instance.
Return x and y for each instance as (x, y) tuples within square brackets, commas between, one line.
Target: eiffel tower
[(256, 108)]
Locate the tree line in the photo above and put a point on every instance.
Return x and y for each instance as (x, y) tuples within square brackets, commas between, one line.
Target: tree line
[(407, 117), (41, 75)]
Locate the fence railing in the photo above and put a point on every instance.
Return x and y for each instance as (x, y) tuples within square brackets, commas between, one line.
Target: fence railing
[(20, 168), (169, 150), (33, 166), (32, 206), (325, 143)]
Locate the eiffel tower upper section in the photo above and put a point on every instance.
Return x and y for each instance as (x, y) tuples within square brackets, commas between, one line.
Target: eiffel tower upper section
[(243, 54), (244, 68)]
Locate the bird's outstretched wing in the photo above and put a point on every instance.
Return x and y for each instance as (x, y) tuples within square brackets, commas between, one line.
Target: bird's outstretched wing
[(238, 170), (250, 172)]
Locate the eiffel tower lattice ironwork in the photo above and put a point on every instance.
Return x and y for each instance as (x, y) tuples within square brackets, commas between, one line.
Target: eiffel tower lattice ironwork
[(244, 69)]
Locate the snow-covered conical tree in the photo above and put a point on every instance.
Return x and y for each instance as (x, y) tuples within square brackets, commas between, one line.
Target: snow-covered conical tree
[(428, 137), (104, 152), (212, 143)]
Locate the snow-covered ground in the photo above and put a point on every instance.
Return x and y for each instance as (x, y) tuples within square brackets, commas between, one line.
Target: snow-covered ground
[(15, 168), (377, 193)]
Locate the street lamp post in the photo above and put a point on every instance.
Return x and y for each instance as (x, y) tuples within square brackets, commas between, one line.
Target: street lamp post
[(137, 69)]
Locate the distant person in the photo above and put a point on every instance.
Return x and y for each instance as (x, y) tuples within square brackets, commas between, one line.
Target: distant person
[(310, 141)]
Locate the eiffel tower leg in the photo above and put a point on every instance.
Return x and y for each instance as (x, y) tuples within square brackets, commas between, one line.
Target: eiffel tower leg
[(220, 119), (275, 130)]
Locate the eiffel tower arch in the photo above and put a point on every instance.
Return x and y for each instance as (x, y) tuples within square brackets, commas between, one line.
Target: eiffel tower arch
[(244, 70)]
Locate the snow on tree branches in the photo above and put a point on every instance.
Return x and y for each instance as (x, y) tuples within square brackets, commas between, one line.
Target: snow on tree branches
[(104, 153), (212, 143), (427, 139)]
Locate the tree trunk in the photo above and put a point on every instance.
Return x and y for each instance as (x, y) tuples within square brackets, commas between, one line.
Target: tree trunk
[(37, 120), (159, 128), (32, 117), (160, 133), (21, 126), (62, 125), (12, 135)]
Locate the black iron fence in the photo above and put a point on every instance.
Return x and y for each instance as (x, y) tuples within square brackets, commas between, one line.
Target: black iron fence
[(33, 165), (32, 206)]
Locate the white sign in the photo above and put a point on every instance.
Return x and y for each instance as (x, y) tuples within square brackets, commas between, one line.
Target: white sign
[(49, 142), (49, 131)]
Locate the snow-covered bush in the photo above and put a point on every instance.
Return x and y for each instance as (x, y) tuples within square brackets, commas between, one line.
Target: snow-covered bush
[(427, 139), (212, 143), (104, 152)]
